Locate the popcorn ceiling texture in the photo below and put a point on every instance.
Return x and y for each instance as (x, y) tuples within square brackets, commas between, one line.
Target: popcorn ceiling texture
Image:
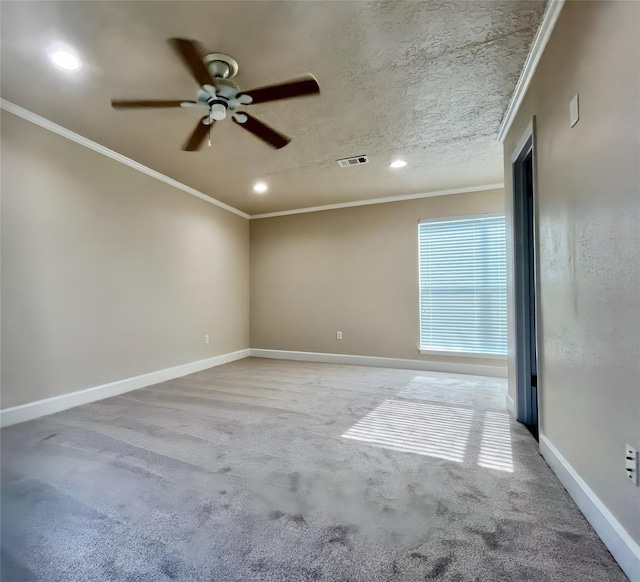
[(426, 81)]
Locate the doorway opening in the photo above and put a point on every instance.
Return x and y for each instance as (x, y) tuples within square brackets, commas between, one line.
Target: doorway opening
[(524, 224)]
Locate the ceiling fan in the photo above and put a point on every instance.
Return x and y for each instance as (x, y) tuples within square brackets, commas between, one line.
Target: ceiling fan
[(219, 95)]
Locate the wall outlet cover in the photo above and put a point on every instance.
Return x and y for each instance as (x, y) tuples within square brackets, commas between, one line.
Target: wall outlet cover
[(631, 463)]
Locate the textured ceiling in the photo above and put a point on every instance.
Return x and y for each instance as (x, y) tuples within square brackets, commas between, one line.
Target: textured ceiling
[(426, 81)]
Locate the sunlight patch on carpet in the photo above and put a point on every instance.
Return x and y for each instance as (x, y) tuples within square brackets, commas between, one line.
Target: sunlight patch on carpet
[(472, 391), (423, 429), (495, 443)]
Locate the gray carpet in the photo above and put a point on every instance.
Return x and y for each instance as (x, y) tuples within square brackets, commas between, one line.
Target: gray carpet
[(265, 470)]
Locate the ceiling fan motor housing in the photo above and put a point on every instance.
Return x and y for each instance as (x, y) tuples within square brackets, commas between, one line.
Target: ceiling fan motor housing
[(219, 99)]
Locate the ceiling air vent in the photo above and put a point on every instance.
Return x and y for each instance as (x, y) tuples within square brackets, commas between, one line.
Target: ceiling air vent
[(355, 161)]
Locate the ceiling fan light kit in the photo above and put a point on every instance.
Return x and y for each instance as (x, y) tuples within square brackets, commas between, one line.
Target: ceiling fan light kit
[(219, 95)]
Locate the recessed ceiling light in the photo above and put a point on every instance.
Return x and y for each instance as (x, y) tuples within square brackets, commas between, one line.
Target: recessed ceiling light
[(398, 164), (260, 187), (64, 57)]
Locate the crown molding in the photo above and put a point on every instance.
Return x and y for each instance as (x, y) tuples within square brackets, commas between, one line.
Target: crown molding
[(384, 200), (535, 53), (96, 147), (92, 145)]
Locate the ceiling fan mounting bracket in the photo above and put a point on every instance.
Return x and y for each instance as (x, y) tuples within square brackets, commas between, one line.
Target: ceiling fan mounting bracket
[(221, 66)]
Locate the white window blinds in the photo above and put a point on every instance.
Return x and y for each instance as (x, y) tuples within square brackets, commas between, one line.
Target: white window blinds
[(463, 285)]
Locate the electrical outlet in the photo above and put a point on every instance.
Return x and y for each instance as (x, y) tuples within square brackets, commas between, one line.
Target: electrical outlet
[(206, 339), (338, 335), (631, 463)]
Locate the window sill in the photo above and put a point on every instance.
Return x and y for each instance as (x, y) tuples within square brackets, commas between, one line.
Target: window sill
[(428, 352)]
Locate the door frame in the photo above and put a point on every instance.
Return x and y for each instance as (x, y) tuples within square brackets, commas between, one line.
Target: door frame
[(528, 409)]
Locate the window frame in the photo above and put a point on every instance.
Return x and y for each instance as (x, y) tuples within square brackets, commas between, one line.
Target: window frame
[(453, 353)]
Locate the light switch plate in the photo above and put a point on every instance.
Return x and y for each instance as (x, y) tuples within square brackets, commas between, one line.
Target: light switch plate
[(574, 110)]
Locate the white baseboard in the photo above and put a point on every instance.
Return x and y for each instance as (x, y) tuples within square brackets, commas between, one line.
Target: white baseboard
[(618, 541), (511, 406), (40, 408), (431, 366)]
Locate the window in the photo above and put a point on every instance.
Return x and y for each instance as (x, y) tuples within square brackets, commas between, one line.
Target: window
[(463, 286)]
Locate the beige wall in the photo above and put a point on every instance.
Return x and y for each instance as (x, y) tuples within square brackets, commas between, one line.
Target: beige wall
[(108, 273), (589, 261), (353, 270)]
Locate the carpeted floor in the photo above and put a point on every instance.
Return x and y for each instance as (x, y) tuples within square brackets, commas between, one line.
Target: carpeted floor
[(265, 470)]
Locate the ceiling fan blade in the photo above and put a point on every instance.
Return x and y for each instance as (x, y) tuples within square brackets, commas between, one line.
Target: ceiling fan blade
[(197, 136), (191, 55), (263, 131), (296, 88), (143, 104)]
